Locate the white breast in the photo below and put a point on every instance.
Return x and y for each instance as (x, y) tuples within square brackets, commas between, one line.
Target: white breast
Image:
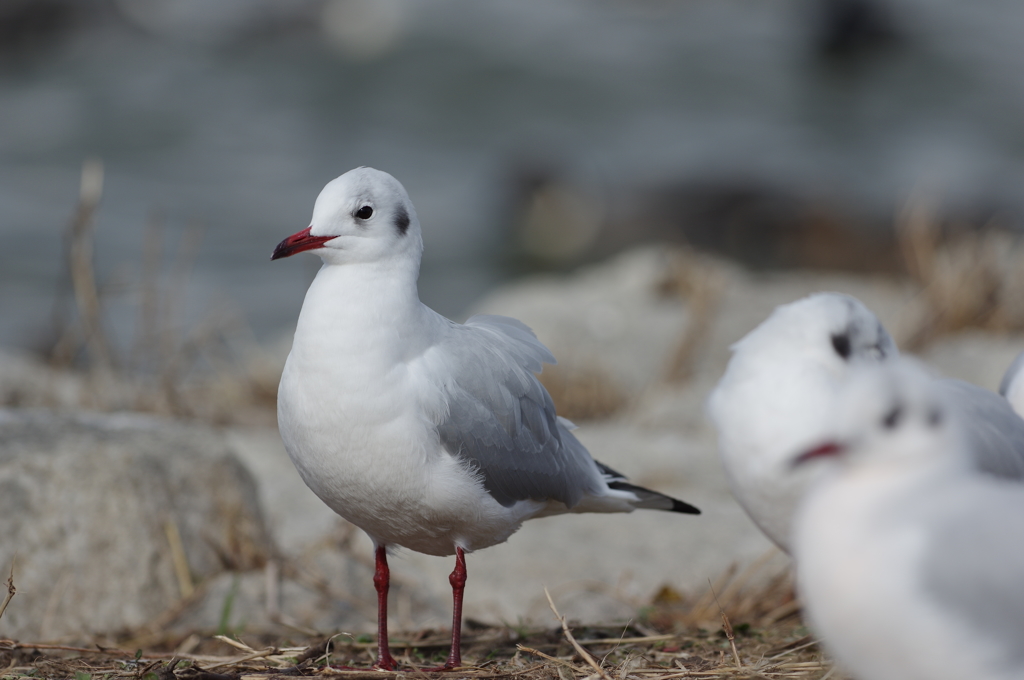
[(357, 413), (765, 416), (858, 565)]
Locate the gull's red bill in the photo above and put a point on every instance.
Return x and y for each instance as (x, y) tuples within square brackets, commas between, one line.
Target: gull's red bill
[(826, 450), (297, 243)]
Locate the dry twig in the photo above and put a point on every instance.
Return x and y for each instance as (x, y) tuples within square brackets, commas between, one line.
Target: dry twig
[(178, 558), (568, 636), (701, 284), (83, 277), (728, 629), (11, 590)]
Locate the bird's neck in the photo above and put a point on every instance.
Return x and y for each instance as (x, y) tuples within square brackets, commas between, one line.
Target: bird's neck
[(359, 309)]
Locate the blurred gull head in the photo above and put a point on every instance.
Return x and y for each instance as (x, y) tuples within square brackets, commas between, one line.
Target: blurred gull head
[(891, 416), (777, 394), (830, 329)]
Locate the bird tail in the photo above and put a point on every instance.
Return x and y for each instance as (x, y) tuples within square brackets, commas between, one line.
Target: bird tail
[(645, 498)]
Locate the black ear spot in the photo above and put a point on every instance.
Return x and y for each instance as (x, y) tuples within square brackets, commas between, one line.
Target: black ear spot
[(841, 344), (892, 418), (401, 220)]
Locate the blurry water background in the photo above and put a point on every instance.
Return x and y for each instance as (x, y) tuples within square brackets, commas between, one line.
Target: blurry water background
[(599, 118)]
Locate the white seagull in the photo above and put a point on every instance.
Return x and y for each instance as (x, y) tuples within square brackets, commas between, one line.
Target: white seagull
[(908, 559), (425, 433), (778, 396)]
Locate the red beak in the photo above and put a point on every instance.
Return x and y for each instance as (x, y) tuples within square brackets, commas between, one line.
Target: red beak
[(825, 450), (297, 243)]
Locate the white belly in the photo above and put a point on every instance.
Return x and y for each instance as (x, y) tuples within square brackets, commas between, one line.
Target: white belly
[(859, 575), (374, 458)]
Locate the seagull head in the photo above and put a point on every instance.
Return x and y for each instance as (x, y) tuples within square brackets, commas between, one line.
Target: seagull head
[(831, 329), (890, 416), (363, 216)]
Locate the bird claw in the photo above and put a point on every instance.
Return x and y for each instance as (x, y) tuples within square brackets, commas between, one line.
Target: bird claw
[(387, 663), (441, 669)]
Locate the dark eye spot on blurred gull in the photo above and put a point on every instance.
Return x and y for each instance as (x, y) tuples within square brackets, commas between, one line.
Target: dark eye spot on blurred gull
[(892, 418), (841, 344)]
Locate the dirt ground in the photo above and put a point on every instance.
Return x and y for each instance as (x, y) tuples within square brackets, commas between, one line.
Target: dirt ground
[(782, 650), (733, 630)]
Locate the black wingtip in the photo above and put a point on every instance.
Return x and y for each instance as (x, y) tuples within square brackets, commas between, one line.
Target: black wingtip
[(651, 500), (686, 508)]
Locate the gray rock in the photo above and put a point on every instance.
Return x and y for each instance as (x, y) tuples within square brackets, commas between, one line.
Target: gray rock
[(93, 507), (609, 316)]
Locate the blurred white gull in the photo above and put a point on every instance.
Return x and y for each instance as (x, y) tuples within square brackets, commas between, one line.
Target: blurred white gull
[(425, 433), (778, 396), (908, 559)]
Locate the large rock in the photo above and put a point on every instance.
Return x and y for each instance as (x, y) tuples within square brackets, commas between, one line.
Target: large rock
[(628, 317), (612, 317), (113, 518)]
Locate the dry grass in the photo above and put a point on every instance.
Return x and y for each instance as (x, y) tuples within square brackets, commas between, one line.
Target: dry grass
[(970, 277), (582, 393), (698, 281), (11, 592), (618, 653), (214, 372), (744, 626)]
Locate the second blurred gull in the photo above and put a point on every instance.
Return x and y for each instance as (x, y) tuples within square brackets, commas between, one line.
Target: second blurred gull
[(909, 559), (778, 396)]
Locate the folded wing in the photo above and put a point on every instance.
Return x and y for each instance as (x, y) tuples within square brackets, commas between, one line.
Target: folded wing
[(502, 421)]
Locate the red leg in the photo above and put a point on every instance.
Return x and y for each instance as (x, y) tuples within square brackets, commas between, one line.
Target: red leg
[(381, 581), (458, 581)]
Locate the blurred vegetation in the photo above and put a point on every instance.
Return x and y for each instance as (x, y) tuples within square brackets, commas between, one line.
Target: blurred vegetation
[(214, 371), (968, 276)]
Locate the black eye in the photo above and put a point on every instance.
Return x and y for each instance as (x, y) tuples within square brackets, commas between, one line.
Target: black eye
[(935, 417), (892, 418), (841, 343), (364, 213)]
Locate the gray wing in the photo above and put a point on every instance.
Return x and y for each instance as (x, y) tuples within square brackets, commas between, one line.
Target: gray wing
[(994, 430), (974, 562), (502, 421)]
